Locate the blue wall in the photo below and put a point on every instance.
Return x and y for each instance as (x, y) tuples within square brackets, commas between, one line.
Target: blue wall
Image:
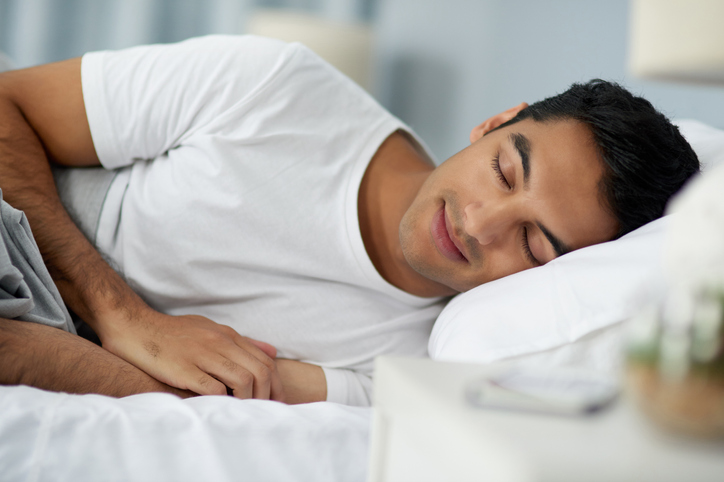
[(447, 65), (443, 65)]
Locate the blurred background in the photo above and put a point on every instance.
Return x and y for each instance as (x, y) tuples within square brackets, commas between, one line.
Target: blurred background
[(442, 66)]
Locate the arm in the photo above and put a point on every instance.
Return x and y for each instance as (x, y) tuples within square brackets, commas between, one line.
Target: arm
[(52, 359), (75, 365), (42, 116), (303, 382)]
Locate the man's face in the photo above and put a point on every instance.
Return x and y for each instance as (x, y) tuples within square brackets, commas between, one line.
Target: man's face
[(514, 199)]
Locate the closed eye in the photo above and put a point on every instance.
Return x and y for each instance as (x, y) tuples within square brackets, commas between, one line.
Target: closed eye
[(499, 172), (526, 249)]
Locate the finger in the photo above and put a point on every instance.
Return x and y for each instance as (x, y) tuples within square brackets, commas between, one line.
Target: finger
[(233, 376), (242, 372), (269, 350), (245, 388), (204, 384), (252, 346), (238, 363), (243, 393), (277, 387)]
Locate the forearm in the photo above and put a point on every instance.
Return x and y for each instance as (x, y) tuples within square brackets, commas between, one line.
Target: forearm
[(52, 359), (303, 382), (88, 285), (42, 117)]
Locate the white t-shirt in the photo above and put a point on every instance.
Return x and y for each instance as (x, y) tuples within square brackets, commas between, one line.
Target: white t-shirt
[(239, 202)]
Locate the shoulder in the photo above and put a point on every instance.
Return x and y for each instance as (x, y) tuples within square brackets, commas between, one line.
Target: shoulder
[(245, 53)]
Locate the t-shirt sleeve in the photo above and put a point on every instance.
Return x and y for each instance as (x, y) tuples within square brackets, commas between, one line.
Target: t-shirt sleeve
[(348, 387), (143, 101)]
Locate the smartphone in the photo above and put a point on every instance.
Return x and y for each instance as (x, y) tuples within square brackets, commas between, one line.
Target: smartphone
[(561, 391)]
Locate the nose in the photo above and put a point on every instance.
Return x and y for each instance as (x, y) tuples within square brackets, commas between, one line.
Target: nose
[(489, 222)]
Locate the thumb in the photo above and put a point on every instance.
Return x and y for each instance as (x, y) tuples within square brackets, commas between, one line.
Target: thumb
[(270, 351)]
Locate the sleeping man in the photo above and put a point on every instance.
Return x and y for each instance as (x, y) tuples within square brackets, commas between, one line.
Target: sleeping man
[(272, 229)]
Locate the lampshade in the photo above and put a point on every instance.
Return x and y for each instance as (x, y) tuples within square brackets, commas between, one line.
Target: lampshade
[(678, 40), (347, 46)]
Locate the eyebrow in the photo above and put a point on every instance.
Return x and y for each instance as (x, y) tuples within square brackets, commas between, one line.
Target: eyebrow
[(559, 246), (522, 145)]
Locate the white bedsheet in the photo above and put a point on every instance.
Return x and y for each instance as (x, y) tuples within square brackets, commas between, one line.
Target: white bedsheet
[(159, 437)]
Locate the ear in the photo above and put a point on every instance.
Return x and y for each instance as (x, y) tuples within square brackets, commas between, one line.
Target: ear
[(499, 119)]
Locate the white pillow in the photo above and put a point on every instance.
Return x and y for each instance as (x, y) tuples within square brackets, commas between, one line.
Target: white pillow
[(707, 142), (568, 312), (574, 297)]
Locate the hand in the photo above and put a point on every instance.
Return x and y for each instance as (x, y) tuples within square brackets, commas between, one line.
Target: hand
[(194, 353), (42, 115), (52, 359)]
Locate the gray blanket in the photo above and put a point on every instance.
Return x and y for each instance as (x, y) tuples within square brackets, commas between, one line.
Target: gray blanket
[(27, 291)]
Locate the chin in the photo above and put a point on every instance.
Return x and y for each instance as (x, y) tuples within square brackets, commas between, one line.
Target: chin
[(417, 254), (438, 280)]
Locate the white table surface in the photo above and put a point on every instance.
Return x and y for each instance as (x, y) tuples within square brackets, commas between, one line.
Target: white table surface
[(424, 429)]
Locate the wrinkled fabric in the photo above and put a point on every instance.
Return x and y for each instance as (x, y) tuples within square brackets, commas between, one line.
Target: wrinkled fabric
[(27, 291), (158, 437)]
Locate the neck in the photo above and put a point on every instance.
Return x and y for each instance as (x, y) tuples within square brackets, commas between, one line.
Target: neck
[(390, 184)]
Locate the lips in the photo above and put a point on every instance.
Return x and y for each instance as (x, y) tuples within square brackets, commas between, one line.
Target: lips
[(444, 243)]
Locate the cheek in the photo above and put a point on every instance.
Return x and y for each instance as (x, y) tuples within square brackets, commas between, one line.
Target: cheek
[(413, 234), (406, 231), (499, 263), (459, 170)]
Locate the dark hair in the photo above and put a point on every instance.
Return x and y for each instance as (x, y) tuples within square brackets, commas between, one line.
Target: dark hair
[(646, 158)]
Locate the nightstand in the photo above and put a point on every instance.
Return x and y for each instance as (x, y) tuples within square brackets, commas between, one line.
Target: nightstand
[(425, 430)]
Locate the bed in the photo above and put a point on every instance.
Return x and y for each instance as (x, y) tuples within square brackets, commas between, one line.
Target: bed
[(157, 437)]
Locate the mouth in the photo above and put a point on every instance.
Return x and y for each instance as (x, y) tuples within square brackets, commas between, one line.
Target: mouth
[(445, 242)]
